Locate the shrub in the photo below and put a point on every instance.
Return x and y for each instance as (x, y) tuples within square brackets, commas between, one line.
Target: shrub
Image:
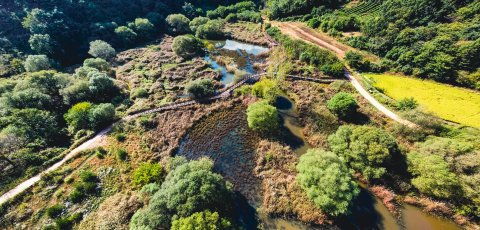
[(77, 117), (96, 63), (143, 27), (365, 149), (139, 93), (148, 173), (202, 220), (408, 103), (343, 105), (213, 30), (262, 117), (101, 49), (102, 87), (196, 22), (35, 63), (88, 176), (327, 181), (101, 115), (121, 154), (41, 43), (200, 88), (187, 46), (54, 211), (178, 24), (120, 137), (126, 34), (266, 89), (189, 187), (67, 222)]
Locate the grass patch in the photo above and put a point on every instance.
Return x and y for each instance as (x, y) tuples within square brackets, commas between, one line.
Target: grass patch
[(447, 102)]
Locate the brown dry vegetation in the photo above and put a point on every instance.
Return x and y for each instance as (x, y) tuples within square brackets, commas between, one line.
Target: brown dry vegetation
[(282, 196), (247, 32)]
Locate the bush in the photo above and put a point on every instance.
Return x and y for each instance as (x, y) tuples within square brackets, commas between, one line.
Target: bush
[(178, 24), (101, 49), (41, 43), (266, 89), (54, 211), (120, 137), (202, 220), (96, 63), (196, 22), (212, 30), (262, 117), (408, 103), (365, 149), (102, 87), (187, 46), (139, 93), (101, 115), (126, 34), (148, 173), (200, 88), (121, 154), (343, 105), (189, 187), (35, 63), (327, 181), (88, 176), (77, 117)]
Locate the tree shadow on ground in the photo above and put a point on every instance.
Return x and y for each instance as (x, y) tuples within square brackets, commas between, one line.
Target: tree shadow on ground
[(358, 118)]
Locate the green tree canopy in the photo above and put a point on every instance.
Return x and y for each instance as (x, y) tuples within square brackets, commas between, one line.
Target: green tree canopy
[(101, 115), (263, 117), (147, 173), (267, 89), (101, 49), (213, 30), (178, 24), (102, 87), (35, 63), (41, 43), (200, 88), (327, 181), (34, 125), (187, 46), (366, 149), (189, 187), (77, 117), (343, 105), (126, 34), (196, 22), (205, 220)]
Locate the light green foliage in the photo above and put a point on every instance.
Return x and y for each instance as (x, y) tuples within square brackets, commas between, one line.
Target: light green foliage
[(28, 98), (101, 49), (244, 11), (41, 43), (102, 87), (432, 175), (263, 117), (205, 220), (97, 63), (143, 27), (283, 8), (343, 105), (365, 149), (77, 92), (196, 22), (34, 125), (327, 181), (127, 34), (189, 187), (77, 117), (178, 24), (187, 46), (148, 173), (267, 89), (35, 63), (200, 88), (213, 30), (101, 115)]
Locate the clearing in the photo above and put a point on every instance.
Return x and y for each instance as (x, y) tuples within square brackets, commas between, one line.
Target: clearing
[(448, 102)]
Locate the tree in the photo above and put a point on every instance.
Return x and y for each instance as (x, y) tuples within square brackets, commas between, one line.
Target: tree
[(77, 92), (78, 117), (343, 105), (28, 98), (148, 173), (213, 29), (10, 143), (267, 89), (143, 27), (178, 24), (101, 115), (432, 175), (200, 88), (97, 63), (102, 87), (101, 49), (263, 117), (205, 220), (189, 187), (34, 125), (41, 43), (327, 181), (365, 149), (126, 34), (196, 22), (35, 63), (187, 46)]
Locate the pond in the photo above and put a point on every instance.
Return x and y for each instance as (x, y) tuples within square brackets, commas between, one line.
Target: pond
[(244, 55)]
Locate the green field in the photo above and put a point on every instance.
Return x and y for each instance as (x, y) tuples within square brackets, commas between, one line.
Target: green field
[(447, 102)]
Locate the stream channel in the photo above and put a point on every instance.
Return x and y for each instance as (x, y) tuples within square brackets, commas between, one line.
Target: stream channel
[(225, 138)]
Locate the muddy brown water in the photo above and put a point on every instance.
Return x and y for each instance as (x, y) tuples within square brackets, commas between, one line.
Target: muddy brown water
[(225, 138)]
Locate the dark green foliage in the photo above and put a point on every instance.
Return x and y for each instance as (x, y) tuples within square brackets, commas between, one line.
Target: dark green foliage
[(86, 186), (200, 88), (121, 154), (126, 34), (196, 22), (120, 137), (327, 181), (278, 9), (189, 187), (408, 103), (343, 105), (100, 152), (67, 222), (212, 30), (101, 115), (54, 211), (239, 8), (202, 221), (148, 173), (139, 93), (34, 125), (41, 43), (262, 117), (102, 87), (365, 149), (187, 46), (178, 24)]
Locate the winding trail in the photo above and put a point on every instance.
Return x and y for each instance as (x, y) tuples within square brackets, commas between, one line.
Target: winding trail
[(300, 31)]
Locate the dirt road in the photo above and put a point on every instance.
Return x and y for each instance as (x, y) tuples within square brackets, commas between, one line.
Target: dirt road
[(300, 31)]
